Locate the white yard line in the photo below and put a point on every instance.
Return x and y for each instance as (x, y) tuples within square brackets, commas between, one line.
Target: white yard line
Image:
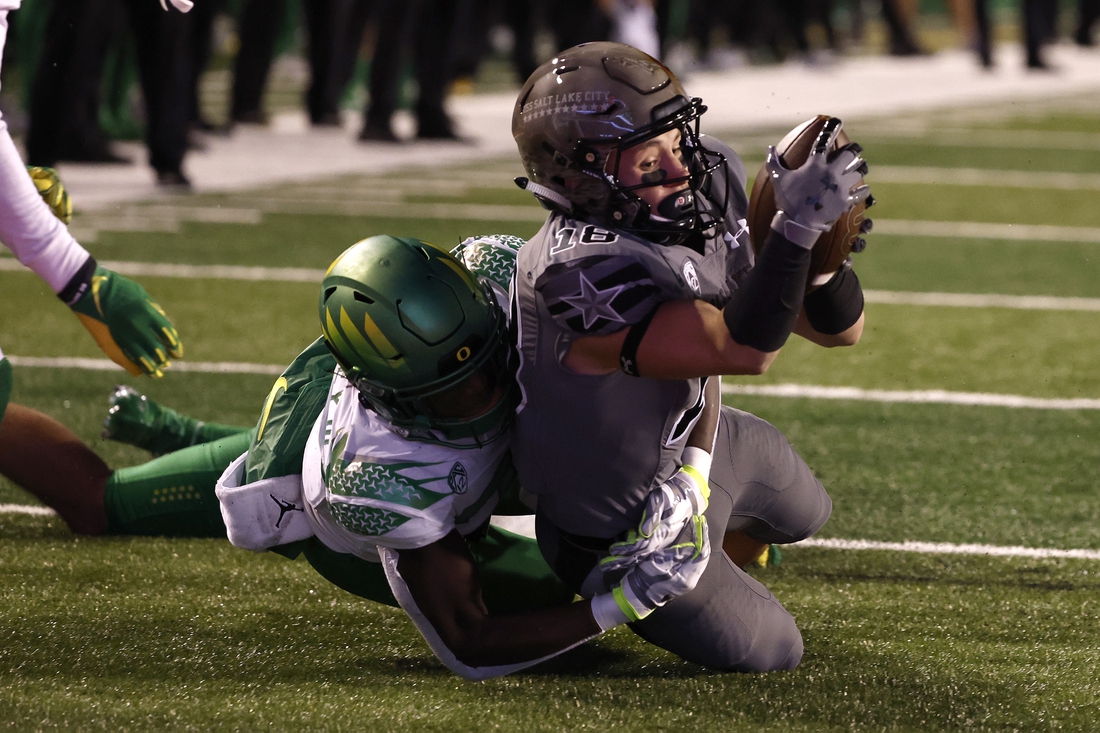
[(983, 230), (929, 396), (38, 511), (197, 272), (984, 177), (948, 548), (525, 526), (932, 396), (106, 365), (982, 300), (307, 275)]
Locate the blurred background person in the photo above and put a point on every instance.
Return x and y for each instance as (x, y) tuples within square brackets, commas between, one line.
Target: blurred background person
[(65, 93)]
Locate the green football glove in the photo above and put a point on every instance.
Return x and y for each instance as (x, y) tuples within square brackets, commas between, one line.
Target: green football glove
[(127, 324), (668, 509), (52, 192)]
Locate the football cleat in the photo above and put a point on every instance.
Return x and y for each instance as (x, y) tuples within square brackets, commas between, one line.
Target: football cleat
[(136, 420), (770, 557)]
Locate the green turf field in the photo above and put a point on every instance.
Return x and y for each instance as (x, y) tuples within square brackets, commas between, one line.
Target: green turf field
[(140, 634)]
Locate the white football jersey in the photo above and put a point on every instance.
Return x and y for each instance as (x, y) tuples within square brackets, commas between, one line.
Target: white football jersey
[(366, 486)]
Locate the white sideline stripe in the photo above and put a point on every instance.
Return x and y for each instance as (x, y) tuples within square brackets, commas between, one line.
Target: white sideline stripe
[(989, 300), (106, 365), (525, 526), (946, 548), (931, 396), (982, 230)]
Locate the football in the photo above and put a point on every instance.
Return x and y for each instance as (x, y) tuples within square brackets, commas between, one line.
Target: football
[(833, 247)]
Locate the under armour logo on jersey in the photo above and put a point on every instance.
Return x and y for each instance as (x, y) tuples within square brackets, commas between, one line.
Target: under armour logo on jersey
[(734, 240), (594, 303), (690, 275), (457, 479), (284, 507)]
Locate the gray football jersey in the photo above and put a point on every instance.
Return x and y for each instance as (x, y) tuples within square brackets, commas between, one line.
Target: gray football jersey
[(592, 447)]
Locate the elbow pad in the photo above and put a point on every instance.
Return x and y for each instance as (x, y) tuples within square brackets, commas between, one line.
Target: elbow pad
[(763, 312), (836, 306)]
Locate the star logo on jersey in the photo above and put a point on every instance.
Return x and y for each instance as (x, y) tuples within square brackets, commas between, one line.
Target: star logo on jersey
[(594, 303)]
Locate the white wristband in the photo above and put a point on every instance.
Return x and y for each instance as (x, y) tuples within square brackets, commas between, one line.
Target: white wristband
[(698, 458), (607, 612), (799, 234)]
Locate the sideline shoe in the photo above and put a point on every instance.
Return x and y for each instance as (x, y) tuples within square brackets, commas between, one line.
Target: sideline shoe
[(173, 181), (136, 420), (378, 134)]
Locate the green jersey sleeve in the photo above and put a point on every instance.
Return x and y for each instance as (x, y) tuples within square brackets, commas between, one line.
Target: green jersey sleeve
[(291, 408)]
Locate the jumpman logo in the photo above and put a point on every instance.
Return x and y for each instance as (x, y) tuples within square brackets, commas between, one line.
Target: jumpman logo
[(284, 507)]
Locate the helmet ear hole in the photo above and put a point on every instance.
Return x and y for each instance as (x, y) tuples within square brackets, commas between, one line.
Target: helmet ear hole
[(362, 298), (328, 293)]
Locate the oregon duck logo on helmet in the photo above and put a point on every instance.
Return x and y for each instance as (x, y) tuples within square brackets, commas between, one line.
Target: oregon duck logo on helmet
[(421, 338)]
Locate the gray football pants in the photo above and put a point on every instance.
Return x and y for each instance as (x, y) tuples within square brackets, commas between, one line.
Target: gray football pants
[(729, 621)]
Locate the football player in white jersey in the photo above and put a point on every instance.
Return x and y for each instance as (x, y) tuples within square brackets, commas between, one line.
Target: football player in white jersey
[(35, 450), (641, 287)]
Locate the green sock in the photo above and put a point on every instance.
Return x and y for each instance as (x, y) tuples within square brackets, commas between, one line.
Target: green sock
[(173, 496)]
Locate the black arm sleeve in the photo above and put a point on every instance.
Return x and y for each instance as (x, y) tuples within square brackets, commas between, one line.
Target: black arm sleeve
[(836, 306), (763, 311)]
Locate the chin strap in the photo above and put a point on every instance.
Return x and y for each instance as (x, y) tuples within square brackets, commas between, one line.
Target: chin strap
[(545, 195)]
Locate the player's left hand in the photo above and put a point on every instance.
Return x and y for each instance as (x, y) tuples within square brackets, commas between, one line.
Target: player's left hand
[(668, 509), (665, 574), (52, 192), (127, 324), (827, 185)]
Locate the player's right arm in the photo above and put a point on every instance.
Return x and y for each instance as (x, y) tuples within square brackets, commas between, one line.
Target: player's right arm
[(445, 591), (443, 579)]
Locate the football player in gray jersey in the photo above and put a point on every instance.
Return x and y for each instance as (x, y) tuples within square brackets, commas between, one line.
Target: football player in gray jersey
[(640, 288)]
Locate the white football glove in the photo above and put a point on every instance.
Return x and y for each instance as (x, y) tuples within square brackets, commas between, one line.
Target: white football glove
[(666, 573), (669, 508), (819, 192)]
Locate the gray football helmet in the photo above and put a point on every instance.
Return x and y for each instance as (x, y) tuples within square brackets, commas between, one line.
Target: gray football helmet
[(585, 106)]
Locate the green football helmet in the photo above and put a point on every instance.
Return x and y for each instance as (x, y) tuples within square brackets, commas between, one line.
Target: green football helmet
[(421, 338)]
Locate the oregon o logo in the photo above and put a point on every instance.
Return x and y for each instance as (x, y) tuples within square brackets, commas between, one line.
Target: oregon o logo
[(463, 353)]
